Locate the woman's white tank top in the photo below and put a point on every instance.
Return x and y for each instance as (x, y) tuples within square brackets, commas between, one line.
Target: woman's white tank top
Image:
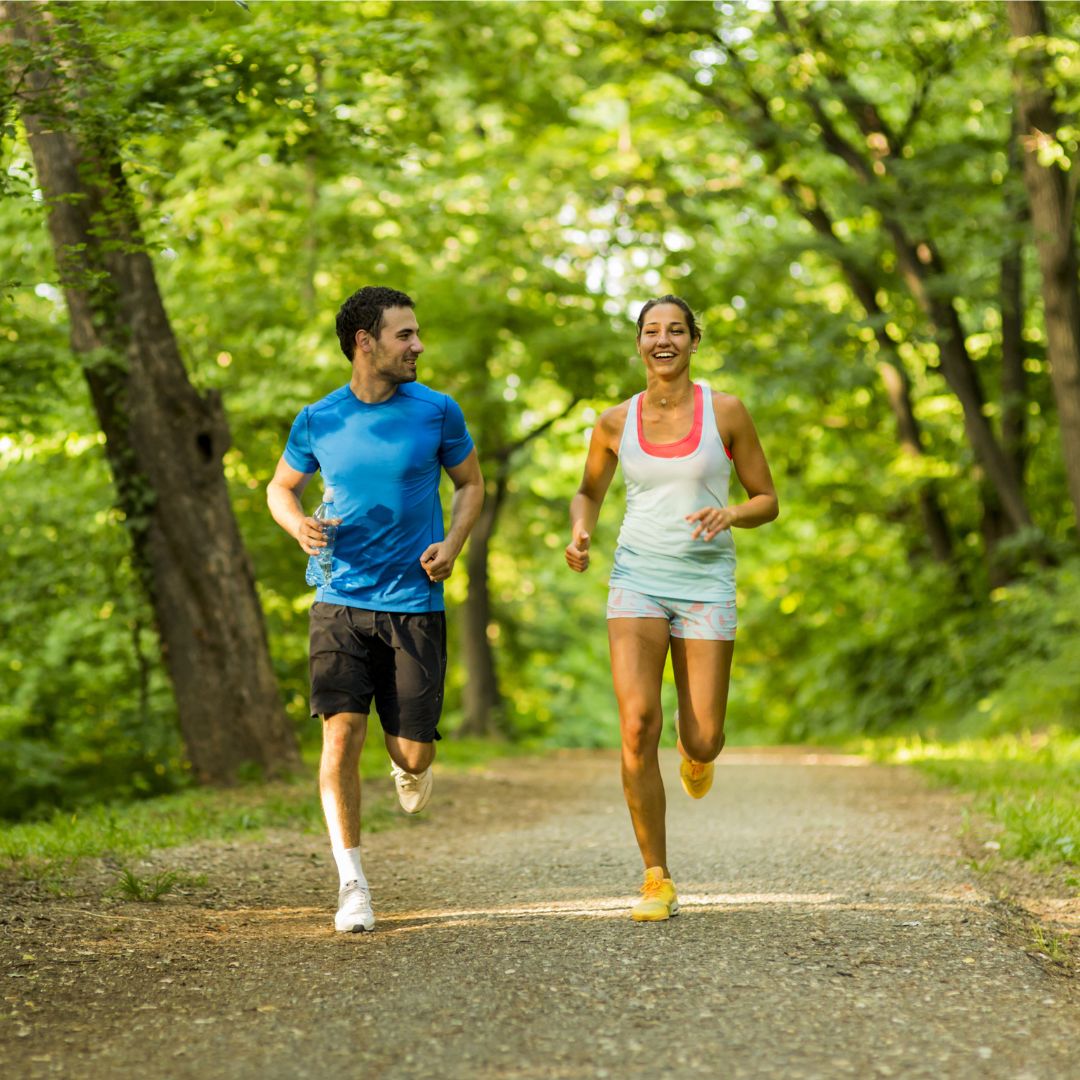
[(655, 554)]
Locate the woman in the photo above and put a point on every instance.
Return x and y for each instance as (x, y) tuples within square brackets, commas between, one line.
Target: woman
[(673, 581)]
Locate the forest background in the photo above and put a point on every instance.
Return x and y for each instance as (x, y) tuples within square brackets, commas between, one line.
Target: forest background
[(859, 200)]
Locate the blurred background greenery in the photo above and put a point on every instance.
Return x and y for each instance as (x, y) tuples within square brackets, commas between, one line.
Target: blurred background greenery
[(836, 189)]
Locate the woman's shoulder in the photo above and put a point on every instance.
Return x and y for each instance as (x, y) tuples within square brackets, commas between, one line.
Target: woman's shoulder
[(616, 414), (732, 416), (610, 422), (727, 405)]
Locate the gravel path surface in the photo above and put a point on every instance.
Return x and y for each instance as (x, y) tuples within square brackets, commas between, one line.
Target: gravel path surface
[(828, 929)]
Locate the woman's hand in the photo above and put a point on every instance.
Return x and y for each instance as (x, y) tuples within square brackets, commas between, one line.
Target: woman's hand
[(712, 520), (577, 551)]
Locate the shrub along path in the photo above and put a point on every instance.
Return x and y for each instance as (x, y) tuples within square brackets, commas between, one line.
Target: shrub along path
[(829, 929)]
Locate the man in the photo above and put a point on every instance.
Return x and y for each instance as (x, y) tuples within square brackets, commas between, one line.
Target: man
[(378, 630)]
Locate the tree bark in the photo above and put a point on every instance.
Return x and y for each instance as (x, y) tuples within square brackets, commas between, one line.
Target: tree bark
[(995, 524), (1014, 381), (1013, 377), (894, 376), (483, 701), (922, 268), (1052, 200), (891, 369), (164, 440)]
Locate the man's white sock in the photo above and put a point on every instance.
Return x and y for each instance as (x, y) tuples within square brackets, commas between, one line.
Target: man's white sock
[(348, 864)]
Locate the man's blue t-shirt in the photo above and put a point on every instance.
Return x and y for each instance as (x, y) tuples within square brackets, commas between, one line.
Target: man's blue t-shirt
[(383, 462)]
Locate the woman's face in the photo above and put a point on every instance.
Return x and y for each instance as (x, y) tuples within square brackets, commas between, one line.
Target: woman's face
[(665, 344)]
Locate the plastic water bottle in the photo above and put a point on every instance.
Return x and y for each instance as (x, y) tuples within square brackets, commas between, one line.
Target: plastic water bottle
[(320, 568)]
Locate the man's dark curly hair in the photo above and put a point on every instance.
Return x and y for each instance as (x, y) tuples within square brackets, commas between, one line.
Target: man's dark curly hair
[(364, 311)]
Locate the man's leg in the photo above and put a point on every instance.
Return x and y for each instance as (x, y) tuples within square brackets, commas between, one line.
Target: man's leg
[(341, 692), (411, 771), (408, 754), (339, 791), (409, 695), (339, 777)]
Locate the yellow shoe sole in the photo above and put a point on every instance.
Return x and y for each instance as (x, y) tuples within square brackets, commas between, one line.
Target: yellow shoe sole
[(697, 787), (659, 913)]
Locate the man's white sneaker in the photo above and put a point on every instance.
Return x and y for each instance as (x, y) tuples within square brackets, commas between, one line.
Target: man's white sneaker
[(354, 914), (413, 789)]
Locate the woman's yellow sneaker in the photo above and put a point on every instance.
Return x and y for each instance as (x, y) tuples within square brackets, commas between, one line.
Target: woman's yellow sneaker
[(696, 777), (658, 900)]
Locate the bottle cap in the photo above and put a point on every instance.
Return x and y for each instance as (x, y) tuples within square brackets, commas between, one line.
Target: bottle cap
[(328, 495)]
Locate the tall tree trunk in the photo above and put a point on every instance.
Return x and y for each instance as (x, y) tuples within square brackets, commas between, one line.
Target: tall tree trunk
[(1013, 377), (482, 699), (1014, 393), (1053, 200), (894, 378), (164, 441), (995, 524), (920, 265), (891, 369)]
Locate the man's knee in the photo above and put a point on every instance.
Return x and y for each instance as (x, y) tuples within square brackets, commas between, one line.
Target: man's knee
[(343, 737), (413, 757)]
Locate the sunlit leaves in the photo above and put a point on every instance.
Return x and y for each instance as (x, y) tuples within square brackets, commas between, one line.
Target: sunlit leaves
[(530, 173)]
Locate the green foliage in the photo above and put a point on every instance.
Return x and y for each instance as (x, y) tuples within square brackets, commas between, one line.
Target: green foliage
[(52, 846), (530, 173), (85, 707), (130, 886), (49, 849), (916, 655), (1029, 785)]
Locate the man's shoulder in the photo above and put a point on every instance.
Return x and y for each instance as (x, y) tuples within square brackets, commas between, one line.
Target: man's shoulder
[(332, 400), (422, 396)]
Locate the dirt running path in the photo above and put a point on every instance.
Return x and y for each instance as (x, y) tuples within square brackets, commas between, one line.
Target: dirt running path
[(828, 930)]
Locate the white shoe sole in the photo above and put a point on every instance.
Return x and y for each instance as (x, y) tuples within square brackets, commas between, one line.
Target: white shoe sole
[(355, 918), (354, 924), (356, 928), (422, 799)]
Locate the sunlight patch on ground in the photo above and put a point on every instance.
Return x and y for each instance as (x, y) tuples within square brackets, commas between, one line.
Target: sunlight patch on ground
[(602, 905), (316, 921)]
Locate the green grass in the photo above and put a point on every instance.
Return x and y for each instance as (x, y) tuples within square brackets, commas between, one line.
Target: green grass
[(131, 886), (1028, 784), (50, 849)]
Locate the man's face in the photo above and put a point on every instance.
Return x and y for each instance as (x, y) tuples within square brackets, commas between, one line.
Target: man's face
[(394, 352)]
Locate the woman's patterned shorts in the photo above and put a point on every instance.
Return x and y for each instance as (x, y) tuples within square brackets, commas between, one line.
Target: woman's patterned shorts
[(698, 619)]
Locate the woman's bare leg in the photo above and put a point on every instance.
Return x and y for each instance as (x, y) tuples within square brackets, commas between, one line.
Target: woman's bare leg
[(702, 674), (638, 651)]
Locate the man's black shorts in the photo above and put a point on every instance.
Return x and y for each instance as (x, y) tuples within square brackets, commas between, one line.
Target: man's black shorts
[(397, 658)]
